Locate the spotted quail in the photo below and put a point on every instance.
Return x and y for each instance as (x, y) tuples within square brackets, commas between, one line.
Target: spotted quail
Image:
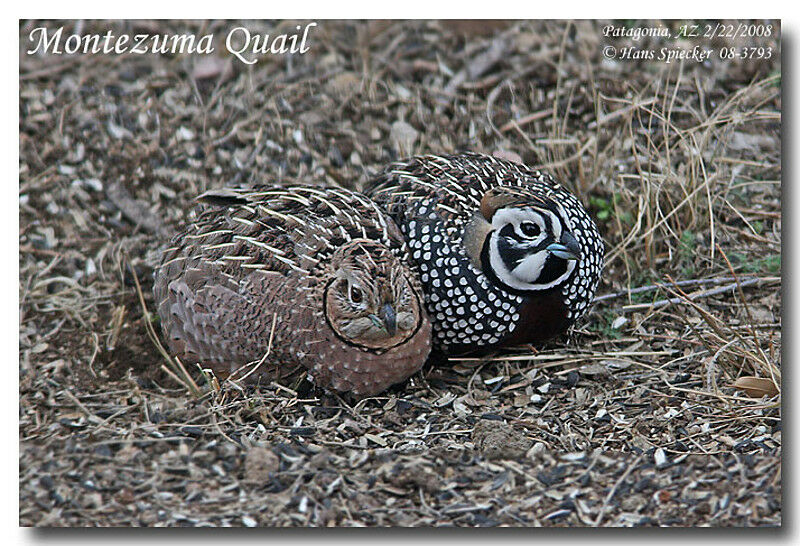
[(505, 254), (269, 280)]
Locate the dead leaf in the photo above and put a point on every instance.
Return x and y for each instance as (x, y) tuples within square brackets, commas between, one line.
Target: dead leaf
[(403, 137), (508, 155), (756, 387), (212, 67)]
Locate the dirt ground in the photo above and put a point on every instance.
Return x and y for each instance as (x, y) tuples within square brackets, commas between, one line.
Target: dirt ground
[(662, 408)]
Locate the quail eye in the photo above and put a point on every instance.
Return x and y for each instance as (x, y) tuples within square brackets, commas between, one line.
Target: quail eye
[(356, 296), (529, 229)]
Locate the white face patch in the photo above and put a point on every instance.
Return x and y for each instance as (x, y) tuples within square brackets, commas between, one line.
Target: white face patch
[(527, 271), (524, 276), (517, 217)]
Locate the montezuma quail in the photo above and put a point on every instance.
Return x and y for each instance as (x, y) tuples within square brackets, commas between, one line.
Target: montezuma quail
[(505, 254), (279, 278)]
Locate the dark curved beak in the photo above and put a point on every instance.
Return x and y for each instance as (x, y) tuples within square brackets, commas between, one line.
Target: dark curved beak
[(567, 248), (389, 318)]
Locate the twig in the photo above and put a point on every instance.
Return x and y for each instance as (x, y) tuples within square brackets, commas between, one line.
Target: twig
[(258, 363), (772, 369), (577, 155), (632, 104), (134, 209), (690, 297), (662, 286), (187, 382), (475, 68), (89, 415), (610, 495), (51, 70), (524, 120)]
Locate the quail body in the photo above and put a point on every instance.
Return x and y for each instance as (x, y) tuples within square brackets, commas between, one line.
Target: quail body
[(266, 281), (505, 254)]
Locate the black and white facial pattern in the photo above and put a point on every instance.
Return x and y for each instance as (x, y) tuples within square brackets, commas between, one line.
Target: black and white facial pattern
[(525, 249), (541, 242)]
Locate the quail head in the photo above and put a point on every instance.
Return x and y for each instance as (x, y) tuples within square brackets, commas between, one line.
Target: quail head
[(505, 254), (268, 280)]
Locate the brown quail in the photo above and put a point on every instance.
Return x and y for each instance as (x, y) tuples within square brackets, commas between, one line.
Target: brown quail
[(268, 280), (505, 254)]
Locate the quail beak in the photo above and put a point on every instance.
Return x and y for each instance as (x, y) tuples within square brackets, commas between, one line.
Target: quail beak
[(387, 321), (376, 321), (568, 248), (389, 318)]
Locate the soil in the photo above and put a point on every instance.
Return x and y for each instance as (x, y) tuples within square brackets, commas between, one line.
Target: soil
[(661, 408)]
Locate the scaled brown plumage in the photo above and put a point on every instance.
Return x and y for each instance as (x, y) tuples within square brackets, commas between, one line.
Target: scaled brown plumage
[(268, 280)]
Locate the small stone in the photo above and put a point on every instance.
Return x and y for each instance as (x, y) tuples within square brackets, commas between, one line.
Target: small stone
[(48, 97), (208, 67), (258, 464), (498, 440), (619, 322), (632, 504), (521, 400), (508, 155), (660, 458), (402, 92), (118, 132), (344, 84), (93, 184), (93, 500), (536, 451), (403, 136), (126, 454), (184, 134), (543, 388), (460, 408)]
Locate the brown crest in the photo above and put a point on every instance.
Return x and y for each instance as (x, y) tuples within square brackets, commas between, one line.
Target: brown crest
[(503, 196)]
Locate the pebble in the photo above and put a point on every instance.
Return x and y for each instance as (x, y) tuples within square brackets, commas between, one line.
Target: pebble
[(259, 463), (403, 136), (184, 134), (344, 83), (619, 322), (660, 458)]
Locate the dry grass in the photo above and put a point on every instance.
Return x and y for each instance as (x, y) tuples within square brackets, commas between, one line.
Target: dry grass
[(663, 408)]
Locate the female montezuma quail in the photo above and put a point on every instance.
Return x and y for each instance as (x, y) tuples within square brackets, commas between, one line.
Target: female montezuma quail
[(278, 278), (505, 254)]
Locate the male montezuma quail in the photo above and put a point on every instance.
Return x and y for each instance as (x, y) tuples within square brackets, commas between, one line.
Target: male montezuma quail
[(505, 254), (278, 278)]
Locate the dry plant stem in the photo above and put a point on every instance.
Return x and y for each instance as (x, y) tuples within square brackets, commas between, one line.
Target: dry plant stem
[(757, 361), (614, 490), (700, 295), (173, 367), (477, 67), (662, 286), (772, 369), (258, 363), (751, 322)]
